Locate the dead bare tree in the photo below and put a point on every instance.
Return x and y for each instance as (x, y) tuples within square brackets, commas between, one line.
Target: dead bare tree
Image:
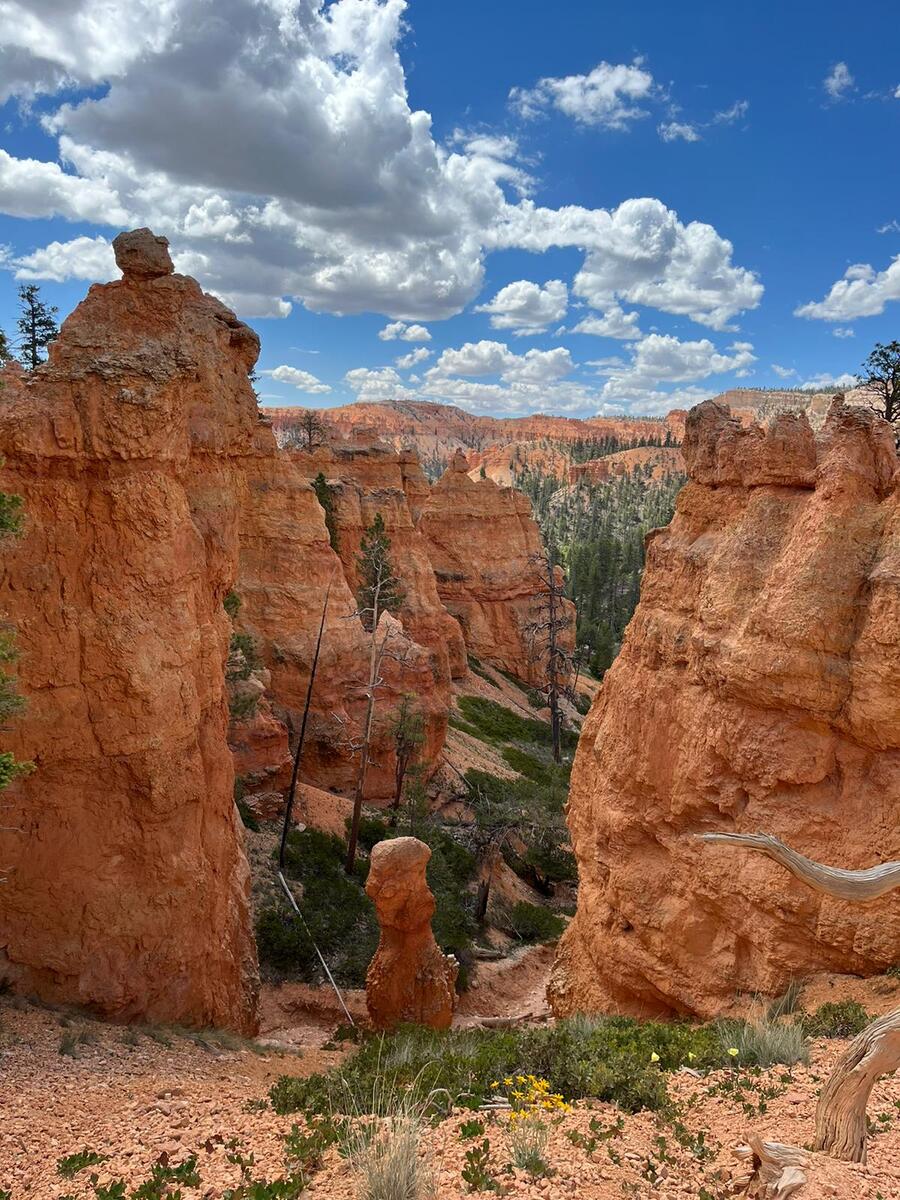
[(307, 433), (841, 1112), (545, 634), (380, 592)]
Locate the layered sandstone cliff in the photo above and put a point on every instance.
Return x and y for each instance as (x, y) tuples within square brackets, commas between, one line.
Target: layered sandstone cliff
[(438, 430), (485, 547), (126, 885), (655, 461), (286, 564), (756, 689)]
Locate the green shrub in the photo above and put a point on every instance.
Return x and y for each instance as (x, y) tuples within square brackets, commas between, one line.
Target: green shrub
[(583, 703), (232, 604), (840, 1019), (450, 871), (340, 915), (616, 1059), (337, 910), (242, 706), (69, 1166), (494, 723), (246, 814), (533, 923), (244, 644), (477, 669)]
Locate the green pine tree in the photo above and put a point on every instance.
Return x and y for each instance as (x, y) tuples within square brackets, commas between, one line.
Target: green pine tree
[(37, 326), (379, 589)]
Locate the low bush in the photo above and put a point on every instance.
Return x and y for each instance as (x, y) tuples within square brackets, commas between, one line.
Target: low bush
[(532, 923), (616, 1059), (246, 657), (339, 914), (492, 722), (841, 1019)]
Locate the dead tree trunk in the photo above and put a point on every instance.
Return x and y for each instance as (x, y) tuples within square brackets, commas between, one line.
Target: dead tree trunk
[(841, 1112)]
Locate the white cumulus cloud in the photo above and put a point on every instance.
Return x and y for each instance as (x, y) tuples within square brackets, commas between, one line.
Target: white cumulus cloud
[(615, 323), (674, 131), (838, 82), (82, 258), (607, 97), (405, 361), (400, 331), (302, 380), (863, 292), (527, 307)]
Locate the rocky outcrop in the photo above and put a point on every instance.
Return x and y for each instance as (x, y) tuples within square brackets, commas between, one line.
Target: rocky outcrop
[(369, 480), (127, 886), (485, 545), (410, 980), (756, 689), (286, 564), (655, 461)]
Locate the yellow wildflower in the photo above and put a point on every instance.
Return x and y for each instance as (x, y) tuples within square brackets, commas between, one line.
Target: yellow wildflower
[(733, 1051), (654, 1057)]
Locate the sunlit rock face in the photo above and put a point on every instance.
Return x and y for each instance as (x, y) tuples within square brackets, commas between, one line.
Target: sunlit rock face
[(126, 884), (756, 690), (485, 548)]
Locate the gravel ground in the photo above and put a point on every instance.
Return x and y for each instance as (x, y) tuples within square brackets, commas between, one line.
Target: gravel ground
[(128, 1096)]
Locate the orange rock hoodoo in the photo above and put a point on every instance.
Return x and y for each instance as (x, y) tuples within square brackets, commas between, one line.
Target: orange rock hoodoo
[(756, 689), (484, 544), (409, 979), (127, 886)]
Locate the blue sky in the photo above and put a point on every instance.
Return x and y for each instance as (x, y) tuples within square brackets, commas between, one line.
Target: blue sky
[(508, 206)]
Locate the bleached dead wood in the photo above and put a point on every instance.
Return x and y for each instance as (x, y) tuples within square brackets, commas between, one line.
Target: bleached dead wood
[(775, 1171), (841, 1112), (858, 886)]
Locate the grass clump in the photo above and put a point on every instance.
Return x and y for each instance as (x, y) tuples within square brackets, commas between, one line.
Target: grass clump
[(840, 1019), (616, 1059), (764, 1041)]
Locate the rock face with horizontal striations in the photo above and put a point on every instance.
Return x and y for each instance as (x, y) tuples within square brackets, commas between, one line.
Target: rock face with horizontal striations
[(127, 886), (756, 690), (410, 980), (286, 564), (485, 546)]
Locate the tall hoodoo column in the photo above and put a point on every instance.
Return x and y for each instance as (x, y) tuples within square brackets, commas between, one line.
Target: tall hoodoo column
[(127, 886)]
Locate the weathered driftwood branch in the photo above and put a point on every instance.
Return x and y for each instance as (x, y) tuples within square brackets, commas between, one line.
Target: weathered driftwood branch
[(776, 1171), (841, 1112), (858, 886)]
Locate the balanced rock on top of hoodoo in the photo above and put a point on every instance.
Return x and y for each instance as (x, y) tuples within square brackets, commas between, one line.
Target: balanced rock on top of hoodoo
[(756, 690), (409, 979)]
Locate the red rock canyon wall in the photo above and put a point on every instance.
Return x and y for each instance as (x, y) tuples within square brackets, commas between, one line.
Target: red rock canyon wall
[(756, 690)]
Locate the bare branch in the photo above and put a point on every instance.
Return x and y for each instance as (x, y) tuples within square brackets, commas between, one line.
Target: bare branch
[(859, 886)]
